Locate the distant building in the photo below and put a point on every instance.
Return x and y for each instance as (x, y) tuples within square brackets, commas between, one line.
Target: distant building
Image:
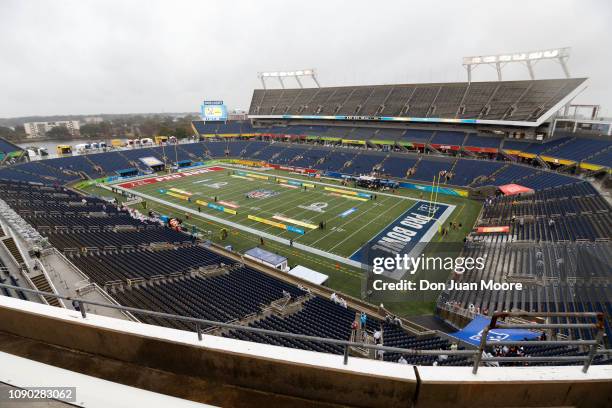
[(237, 116), (39, 129), (93, 120)]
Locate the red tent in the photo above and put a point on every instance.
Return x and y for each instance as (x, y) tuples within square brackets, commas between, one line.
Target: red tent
[(513, 189)]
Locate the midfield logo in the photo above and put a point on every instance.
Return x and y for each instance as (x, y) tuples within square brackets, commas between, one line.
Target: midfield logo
[(261, 193), (317, 207), (492, 336), (217, 185)]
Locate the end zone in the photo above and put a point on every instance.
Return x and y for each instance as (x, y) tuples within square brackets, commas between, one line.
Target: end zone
[(416, 225)]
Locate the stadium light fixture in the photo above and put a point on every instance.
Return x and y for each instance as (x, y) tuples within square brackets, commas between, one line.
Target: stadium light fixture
[(297, 74), (529, 58)]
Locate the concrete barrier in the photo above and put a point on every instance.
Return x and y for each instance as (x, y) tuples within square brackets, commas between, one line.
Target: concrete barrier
[(314, 377), (174, 362)]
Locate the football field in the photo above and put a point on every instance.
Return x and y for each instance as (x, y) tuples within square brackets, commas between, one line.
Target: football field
[(312, 215)]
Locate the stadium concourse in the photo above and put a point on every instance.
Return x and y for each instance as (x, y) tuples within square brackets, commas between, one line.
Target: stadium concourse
[(431, 139)]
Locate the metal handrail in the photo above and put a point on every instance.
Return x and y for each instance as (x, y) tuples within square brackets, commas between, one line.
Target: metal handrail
[(588, 359), (477, 354)]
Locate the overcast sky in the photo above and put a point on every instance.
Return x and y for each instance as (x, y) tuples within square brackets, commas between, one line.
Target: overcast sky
[(107, 56)]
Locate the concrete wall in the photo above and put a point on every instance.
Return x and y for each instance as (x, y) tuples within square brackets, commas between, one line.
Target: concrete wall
[(168, 359), (217, 359), (515, 387)]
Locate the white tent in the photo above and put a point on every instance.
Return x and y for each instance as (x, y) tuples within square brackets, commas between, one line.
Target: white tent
[(309, 275)]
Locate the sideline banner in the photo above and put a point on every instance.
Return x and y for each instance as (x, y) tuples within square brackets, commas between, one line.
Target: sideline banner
[(348, 192), (276, 224), (176, 195), (216, 207), (442, 190), (296, 222)]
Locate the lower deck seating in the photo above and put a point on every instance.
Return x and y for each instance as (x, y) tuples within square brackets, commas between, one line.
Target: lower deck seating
[(397, 166), (427, 169), (557, 277), (318, 317), (306, 154), (219, 298), (110, 162), (108, 221), (144, 263), (8, 279), (567, 213), (465, 172), (101, 239)]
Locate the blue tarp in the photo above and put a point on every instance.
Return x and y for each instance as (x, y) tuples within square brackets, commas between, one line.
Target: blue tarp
[(472, 333)]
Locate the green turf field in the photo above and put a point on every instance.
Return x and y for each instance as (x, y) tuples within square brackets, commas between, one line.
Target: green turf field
[(342, 277), (279, 199)]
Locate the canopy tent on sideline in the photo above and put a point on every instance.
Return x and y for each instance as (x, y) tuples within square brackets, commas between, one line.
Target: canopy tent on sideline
[(514, 189)]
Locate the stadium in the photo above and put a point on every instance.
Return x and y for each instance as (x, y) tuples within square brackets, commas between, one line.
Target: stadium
[(431, 244)]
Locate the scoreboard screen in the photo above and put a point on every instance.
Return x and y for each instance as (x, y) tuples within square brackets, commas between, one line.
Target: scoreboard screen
[(214, 110)]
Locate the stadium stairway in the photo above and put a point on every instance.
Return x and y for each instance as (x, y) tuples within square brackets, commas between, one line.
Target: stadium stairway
[(542, 162), (11, 246), (41, 283), (190, 154), (95, 166)]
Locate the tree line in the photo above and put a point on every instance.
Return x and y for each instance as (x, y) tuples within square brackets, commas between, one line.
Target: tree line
[(136, 126)]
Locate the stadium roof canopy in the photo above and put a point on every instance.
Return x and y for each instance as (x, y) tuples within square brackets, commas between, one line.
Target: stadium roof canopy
[(515, 103)]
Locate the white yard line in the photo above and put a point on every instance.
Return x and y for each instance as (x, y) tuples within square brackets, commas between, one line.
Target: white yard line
[(365, 225), (271, 208), (268, 207), (428, 235), (333, 231), (294, 216), (244, 228), (342, 203)]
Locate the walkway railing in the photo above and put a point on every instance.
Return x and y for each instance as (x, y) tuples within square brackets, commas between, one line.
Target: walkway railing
[(598, 325), (79, 305)]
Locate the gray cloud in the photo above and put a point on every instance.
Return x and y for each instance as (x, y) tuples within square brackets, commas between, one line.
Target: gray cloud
[(85, 56)]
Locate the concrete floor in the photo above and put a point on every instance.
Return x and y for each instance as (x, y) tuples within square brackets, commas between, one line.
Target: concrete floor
[(67, 280)]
